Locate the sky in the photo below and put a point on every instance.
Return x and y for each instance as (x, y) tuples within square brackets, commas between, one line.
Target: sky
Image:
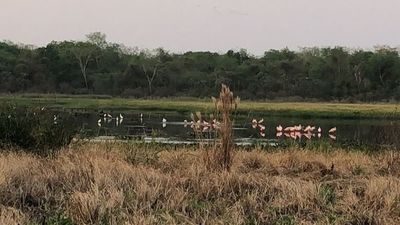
[(206, 25)]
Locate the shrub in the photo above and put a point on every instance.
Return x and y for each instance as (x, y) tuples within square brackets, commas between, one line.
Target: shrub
[(221, 155), (34, 130)]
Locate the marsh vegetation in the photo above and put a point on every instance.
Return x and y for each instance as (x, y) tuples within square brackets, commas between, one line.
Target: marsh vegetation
[(164, 185)]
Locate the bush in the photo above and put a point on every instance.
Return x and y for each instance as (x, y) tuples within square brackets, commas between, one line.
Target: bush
[(34, 130)]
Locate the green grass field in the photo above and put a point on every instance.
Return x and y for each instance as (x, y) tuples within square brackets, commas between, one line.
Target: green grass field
[(298, 109)]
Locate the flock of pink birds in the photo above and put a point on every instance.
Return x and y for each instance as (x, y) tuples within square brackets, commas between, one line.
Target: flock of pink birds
[(202, 125), (295, 132)]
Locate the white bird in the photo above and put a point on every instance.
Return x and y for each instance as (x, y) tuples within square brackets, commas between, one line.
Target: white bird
[(279, 128), (319, 130), (164, 120), (109, 115), (141, 115), (120, 116), (260, 121), (254, 121), (332, 130)]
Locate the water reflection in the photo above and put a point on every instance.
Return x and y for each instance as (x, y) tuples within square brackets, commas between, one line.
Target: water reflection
[(175, 126)]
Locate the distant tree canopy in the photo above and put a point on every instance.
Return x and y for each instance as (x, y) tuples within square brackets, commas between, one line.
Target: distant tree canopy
[(96, 66)]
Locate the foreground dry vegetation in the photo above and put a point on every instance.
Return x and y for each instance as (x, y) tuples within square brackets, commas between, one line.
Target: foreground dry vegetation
[(127, 184)]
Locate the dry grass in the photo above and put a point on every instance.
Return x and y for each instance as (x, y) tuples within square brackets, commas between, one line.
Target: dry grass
[(104, 184), (221, 156)]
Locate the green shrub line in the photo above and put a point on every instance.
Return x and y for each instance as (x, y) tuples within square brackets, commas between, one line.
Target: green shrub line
[(34, 130)]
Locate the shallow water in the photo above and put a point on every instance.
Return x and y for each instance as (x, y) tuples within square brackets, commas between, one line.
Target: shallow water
[(150, 128)]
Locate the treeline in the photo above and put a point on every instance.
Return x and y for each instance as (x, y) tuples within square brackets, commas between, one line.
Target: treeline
[(96, 66)]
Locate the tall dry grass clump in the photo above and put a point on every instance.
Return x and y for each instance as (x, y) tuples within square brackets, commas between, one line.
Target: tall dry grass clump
[(221, 154)]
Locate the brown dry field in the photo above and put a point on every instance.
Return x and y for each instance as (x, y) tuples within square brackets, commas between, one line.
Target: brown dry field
[(122, 184)]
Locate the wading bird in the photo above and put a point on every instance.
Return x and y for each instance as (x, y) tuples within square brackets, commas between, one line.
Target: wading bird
[(55, 119), (332, 136), (289, 129), (332, 130), (298, 128), (279, 128), (254, 121)]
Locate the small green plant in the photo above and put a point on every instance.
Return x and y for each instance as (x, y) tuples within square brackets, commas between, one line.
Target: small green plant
[(285, 220), (56, 219), (59, 219), (327, 194), (332, 218)]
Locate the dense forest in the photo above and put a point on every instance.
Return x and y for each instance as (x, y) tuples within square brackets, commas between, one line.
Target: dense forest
[(95, 66)]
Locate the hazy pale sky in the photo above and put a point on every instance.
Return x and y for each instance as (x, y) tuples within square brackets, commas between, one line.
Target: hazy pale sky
[(213, 25)]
